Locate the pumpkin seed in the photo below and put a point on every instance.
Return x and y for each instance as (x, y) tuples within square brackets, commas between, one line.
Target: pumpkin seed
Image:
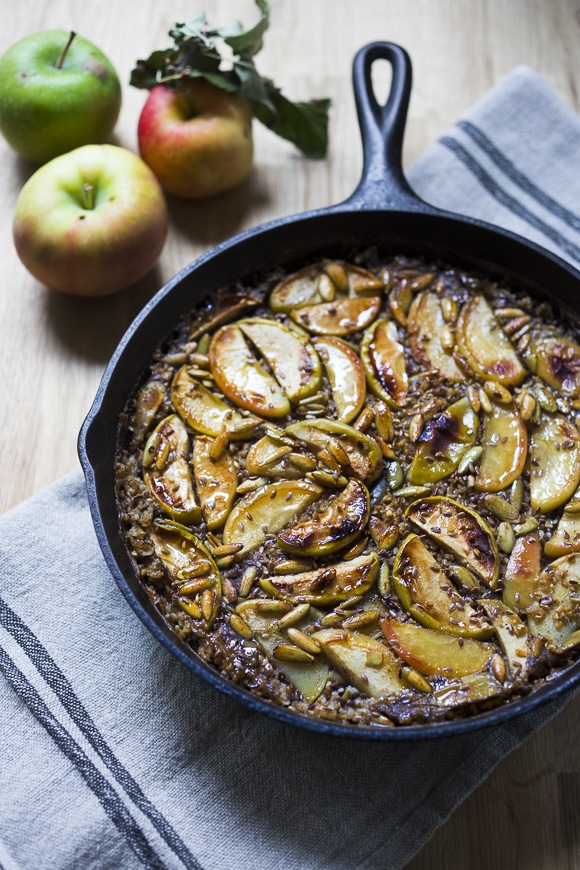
[(302, 640), (447, 337), (384, 421), (251, 484), (303, 463), (463, 576), (527, 404), (449, 309), (499, 507), (416, 427), (507, 313), (545, 398), (190, 607), (293, 616), (497, 391), (247, 581), (410, 491), (573, 506), (469, 458), (218, 445), (192, 587), (326, 287), (498, 667), (337, 273), (270, 605), (363, 421), (291, 566), (415, 679), (529, 525), (473, 398), (361, 620), (240, 626), (384, 581), (395, 474), (286, 652), (517, 493), (506, 537), (485, 402), (227, 549)]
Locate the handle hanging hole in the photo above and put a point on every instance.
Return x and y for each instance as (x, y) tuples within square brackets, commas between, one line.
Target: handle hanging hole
[(381, 78)]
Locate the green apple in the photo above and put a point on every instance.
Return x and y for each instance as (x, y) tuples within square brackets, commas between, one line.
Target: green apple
[(90, 222), (197, 140), (57, 92)]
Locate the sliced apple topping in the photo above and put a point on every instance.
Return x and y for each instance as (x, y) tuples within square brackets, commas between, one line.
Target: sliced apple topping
[(270, 457), (205, 412), (515, 640), (555, 612), (193, 573), (328, 585), (383, 359), (566, 538), (331, 528), (309, 677), (224, 309), (240, 376), (359, 455), (468, 690), (522, 572), (505, 448), (367, 664), (433, 652), (557, 361), (293, 361), (341, 317), (147, 404), (298, 289), (216, 481), (267, 510), (461, 531), (554, 462), (166, 470), (443, 442), (484, 344), (345, 374), (425, 327), (427, 594)]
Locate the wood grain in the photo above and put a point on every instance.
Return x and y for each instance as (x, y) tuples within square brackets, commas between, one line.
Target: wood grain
[(53, 349)]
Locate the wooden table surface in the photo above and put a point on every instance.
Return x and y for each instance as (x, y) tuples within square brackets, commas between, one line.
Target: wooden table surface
[(53, 349)]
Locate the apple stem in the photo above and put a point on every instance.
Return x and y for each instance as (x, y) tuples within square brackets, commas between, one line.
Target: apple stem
[(88, 196), (62, 55)]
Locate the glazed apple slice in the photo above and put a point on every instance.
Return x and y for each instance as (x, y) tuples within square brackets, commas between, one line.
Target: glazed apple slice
[(329, 585), (240, 376), (383, 359), (293, 361), (461, 531), (205, 413), (427, 594), (467, 690), (557, 361), (363, 453), (332, 527), (522, 572), (554, 462), (425, 324), (216, 481), (166, 470), (341, 317), (442, 443), (308, 677), (433, 652), (566, 538), (222, 310), (555, 612), (505, 448), (191, 568), (514, 638), (485, 346), (296, 290), (350, 653), (346, 376), (147, 404), (267, 510)]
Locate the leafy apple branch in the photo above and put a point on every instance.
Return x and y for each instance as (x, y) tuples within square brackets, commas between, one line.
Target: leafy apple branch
[(196, 54)]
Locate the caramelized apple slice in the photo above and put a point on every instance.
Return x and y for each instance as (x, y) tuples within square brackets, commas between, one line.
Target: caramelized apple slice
[(166, 470), (223, 310), (308, 677), (461, 531), (267, 510), (428, 596), (566, 538), (555, 613), (522, 572), (433, 652), (192, 570), (341, 317), (424, 325), (554, 462), (269, 457), (514, 638), (205, 413), (505, 448), (383, 359), (557, 362), (350, 653), (346, 375), (147, 404), (442, 443), (216, 481), (294, 362), (364, 454), (241, 378), (467, 690), (339, 522), (485, 346), (329, 585), (296, 290)]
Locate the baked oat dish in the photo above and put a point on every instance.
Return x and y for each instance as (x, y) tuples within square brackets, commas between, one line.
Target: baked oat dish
[(353, 489)]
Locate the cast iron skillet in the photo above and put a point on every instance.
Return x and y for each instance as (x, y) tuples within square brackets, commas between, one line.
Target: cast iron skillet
[(383, 210)]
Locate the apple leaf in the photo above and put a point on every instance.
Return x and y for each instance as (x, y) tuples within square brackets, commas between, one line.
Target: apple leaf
[(196, 54)]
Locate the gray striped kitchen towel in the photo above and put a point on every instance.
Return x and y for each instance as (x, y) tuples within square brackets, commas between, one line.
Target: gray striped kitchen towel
[(115, 756)]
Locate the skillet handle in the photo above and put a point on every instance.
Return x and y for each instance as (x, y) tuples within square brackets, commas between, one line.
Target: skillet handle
[(383, 184)]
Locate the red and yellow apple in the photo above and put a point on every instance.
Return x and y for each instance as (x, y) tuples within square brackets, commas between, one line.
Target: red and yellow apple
[(90, 222), (197, 140)]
